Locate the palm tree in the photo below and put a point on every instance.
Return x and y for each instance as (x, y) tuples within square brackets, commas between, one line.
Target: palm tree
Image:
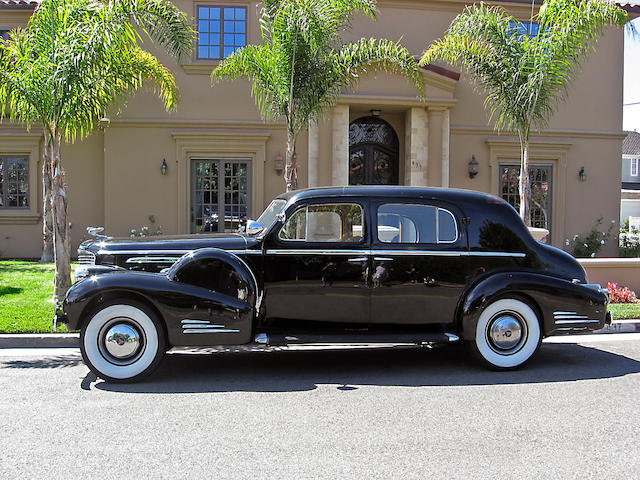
[(524, 75), (75, 60), (302, 65)]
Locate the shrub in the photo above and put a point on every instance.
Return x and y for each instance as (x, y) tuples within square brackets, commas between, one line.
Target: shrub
[(588, 245), (621, 294), (147, 231), (627, 246)]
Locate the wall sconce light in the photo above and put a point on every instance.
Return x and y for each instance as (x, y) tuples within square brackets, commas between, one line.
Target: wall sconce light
[(278, 165), (375, 112), (473, 167), (163, 167), (582, 175)]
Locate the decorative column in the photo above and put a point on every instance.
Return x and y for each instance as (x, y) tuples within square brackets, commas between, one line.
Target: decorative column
[(340, 150), (314, 155), (436, 153), (416, 147), (445, 148)]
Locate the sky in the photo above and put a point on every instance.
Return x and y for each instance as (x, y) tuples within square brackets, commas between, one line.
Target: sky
[(631, 113)]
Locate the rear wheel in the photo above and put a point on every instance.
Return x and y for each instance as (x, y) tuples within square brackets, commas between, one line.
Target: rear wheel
[(123, 341), (507, 334)]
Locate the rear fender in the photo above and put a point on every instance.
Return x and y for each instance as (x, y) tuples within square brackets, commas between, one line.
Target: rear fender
[(545, 294)]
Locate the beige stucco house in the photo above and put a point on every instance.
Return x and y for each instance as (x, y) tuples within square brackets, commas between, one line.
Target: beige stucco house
[(379, 132)]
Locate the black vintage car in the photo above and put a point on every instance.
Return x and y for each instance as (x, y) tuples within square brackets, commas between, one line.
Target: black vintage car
[(334, 265)]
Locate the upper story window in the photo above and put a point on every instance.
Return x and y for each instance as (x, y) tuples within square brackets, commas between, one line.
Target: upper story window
[(634, 167), (221, 31), (406, 223), (14, 181), (341, 222), (525, 28)]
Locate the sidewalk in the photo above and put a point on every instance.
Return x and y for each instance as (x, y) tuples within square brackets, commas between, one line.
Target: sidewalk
[(71, 340)]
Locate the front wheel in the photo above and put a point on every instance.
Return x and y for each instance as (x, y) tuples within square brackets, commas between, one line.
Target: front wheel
[(122, 342), (507, 334)]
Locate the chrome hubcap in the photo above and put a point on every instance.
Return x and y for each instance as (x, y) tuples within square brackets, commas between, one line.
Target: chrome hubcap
[(506, 332), (122, 341)]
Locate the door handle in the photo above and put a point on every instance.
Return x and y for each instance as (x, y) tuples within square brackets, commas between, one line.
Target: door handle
[(382, 259), (357, 260)]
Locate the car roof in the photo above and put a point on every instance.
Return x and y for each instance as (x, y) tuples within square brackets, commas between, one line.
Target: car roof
[(399, 191)]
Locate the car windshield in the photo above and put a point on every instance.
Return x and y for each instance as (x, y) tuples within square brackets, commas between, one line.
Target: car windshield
[(270, 215)]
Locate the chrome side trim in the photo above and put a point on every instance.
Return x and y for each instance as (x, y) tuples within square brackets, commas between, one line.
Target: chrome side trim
[(382, 259), (142, 252), (204, 326), (210, 330), (571, 322), (440, 253), (152, 260), (357, 259), (290, 251)]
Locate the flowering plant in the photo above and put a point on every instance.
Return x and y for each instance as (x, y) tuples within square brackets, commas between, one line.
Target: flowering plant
[(621, 294), (589, 244)]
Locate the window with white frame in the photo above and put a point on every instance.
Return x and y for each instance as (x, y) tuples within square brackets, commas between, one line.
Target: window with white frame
[(14, 181), (634, 167), (221, 31)]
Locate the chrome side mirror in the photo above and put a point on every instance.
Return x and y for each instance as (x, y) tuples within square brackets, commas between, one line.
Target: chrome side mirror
[(253, 227)]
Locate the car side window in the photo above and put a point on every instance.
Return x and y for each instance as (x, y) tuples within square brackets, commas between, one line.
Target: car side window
[(338, 222), (411, 223)]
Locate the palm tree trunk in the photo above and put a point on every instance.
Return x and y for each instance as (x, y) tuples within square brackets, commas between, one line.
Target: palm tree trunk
[(61, 234), (47, 216), (291, 166), (525, 184)]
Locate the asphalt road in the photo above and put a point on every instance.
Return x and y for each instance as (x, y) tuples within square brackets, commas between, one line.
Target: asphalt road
[(356, 413)]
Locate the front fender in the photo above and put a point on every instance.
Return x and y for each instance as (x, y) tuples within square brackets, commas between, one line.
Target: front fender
[(551, 297), (177, 304)]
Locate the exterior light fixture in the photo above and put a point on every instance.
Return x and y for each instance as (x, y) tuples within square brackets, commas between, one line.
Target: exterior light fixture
[(473, 167), (582, 175), (278, 165), (375, 112), (163, 167)]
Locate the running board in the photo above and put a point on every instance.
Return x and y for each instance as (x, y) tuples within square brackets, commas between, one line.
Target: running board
[(354, 338)]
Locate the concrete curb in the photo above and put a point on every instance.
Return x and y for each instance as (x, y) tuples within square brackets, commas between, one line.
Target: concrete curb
[(39, 340), (71, 340)]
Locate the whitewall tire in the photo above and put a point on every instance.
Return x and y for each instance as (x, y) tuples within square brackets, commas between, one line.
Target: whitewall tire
[(122, 342), (507, 334)]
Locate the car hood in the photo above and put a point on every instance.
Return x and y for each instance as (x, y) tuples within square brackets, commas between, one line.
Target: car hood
[(170, 243)]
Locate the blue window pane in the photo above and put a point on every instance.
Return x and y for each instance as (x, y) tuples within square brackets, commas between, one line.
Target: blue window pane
[(228, 26), (214, 13), (214, 39), (214, 52), (203, 52), (240, 27), (228, 51), (204, 39), (215, 25), (203, 13), (203, 26), (228, 13), (228, 39), (239, 40), (240, 13)]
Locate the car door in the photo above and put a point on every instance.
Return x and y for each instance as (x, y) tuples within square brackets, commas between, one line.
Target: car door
[(419, 262), (316, 263)]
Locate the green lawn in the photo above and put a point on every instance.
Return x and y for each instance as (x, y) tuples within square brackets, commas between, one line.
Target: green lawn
[(26, 305), (621, 311), (26, 292)]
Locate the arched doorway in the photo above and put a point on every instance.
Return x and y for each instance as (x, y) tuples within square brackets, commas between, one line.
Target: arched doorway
[(373, 152)]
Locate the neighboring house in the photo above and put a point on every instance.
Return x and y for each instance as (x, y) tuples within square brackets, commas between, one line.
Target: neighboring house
[(221, 157), (630, 195)]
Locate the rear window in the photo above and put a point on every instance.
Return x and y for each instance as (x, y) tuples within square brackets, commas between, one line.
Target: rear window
[(411, 223)]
